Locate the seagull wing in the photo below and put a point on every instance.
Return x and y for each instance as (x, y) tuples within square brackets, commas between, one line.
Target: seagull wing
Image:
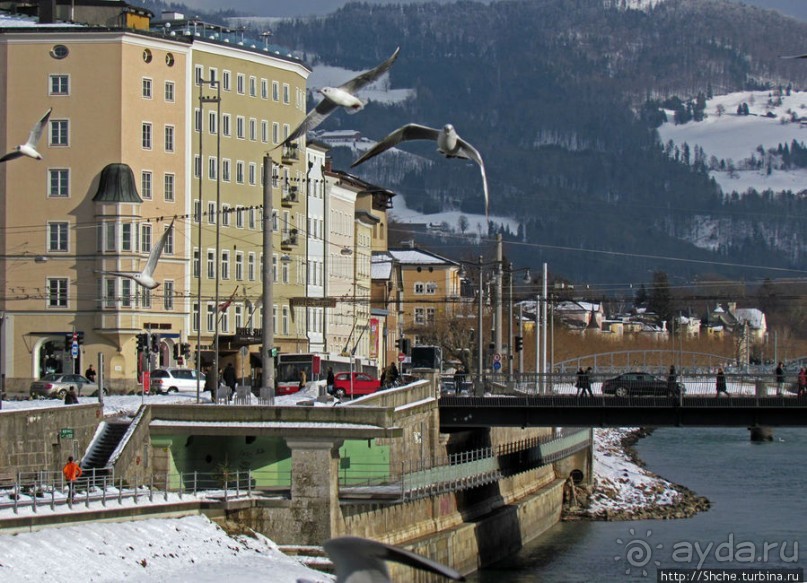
[(793, 56), (36, 131), (315, 117), (11, 156), (368, 77), (156, 251), (406, 133), (466, 150), (365, 560), (126, 274)]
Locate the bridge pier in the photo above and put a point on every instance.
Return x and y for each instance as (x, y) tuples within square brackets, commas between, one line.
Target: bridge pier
[(761, 433)]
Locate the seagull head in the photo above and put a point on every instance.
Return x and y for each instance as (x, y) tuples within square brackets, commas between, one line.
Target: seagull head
[(448, 128)]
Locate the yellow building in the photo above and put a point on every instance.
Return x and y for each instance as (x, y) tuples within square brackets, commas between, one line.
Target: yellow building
[(129, 147)]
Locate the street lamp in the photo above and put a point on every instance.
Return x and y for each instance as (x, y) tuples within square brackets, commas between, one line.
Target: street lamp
[(202, 100)]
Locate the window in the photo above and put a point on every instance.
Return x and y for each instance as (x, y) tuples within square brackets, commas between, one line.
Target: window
[(197, 120), (199, 70), (169, 91), (239, 217), (109, 292), (197, 166), (275, 91), (239, 83), (285, 271), (146, 136), (212, 167), (265, 131), (239, 127), (145, 184), (169, 138), (195, 317), (274, 268), (239, 316), (253, 87), (251, 218), (146, 88), (274, 319), (196, 260), (225, 215), (169, 182), (213, 76), (431, 288), (420, 317), (126, 293), (169, 59), (126, 243), (239, 265), (251, 267), (168, 294), (197, 211), (110, 240), (225, 124), (285, 320), (275, 220), (57, 236), (212, 126), (252, 172), (264, 89), (145, 297), (286, 94), (225, 264), (59, 85), (58, 182), (430, 315), (59, 132), (253, 129), (239, 172), (57, 292), (211, 212), (224, 322), (211, 317), (420, 288), (168, 249), (225, 80), (211, 264), (145, 238), (275, 133), (225, 170)]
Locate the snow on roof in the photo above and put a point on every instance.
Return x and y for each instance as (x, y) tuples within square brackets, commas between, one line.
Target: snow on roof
[(418, 256), (16, 21), (381, 266), (754, 317)]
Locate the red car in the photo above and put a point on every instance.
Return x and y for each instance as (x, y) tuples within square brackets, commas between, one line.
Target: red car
[(363, 384)]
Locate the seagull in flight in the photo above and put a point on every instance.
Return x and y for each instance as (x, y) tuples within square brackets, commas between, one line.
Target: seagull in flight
[(449, 143), (146, 277), (342, 96), (29, 147), (359, 560)]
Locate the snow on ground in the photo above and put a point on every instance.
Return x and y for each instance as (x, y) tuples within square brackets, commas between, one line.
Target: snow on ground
[(729, 136)]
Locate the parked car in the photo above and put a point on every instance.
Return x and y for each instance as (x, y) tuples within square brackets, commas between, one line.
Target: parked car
[(174, 380), (56, 385), (363, 384), (640, 384)]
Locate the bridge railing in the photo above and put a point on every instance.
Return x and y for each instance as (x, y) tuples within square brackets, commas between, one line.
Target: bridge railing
[(687, 383)]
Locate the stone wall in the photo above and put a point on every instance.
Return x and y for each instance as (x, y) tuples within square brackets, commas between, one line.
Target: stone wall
[(30, 438)]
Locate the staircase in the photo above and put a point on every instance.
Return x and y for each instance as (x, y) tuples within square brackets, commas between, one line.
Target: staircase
[(94, 463)]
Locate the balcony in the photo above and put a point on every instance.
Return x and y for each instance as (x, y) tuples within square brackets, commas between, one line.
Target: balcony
[(289, 240), (290, 153), (289, 196)]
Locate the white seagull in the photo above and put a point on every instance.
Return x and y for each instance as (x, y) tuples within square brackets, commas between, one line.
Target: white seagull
[(449, 143), (344, 96), (29, 147), (146, 277), (359, 560)]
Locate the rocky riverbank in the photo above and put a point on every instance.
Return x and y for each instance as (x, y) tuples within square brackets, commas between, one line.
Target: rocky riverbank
[(624, 489)]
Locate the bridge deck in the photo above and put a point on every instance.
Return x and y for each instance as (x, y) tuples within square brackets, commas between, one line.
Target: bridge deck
[(465, 412)]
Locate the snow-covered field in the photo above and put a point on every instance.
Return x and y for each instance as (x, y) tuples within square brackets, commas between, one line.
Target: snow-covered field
[(732, 137)]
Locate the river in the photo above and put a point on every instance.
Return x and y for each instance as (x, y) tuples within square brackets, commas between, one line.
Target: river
[(757, 519)]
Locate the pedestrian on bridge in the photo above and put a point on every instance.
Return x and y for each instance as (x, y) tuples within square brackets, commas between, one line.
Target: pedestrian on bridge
[(720, 383), (802, 382), (780, 379)]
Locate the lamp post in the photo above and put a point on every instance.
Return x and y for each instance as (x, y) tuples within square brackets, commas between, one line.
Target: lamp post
[(267, 330), (217, 101), (202, 100), (511, 340)]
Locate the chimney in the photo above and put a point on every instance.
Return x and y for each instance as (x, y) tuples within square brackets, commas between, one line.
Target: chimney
[(47, 11)]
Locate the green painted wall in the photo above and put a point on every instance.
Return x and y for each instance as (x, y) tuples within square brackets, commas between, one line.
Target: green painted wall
[(362, 462)]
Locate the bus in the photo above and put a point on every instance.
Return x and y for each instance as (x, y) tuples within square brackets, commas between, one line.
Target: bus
[(315, 366)]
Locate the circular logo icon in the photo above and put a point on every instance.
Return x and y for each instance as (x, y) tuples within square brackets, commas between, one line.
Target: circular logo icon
[(638, 552)]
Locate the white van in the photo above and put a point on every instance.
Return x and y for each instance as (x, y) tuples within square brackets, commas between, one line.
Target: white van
[(174, 380)]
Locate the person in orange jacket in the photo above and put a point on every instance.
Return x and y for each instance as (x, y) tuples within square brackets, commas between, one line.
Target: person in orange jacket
[(72, 472)]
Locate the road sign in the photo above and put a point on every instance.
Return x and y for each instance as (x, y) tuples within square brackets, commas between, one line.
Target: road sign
[(401, 357), (497, 357), (74, 349), (66, 433), (497, 365)]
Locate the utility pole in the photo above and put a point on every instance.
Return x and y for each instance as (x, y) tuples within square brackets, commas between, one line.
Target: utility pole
[(498, 326), (268, 337)]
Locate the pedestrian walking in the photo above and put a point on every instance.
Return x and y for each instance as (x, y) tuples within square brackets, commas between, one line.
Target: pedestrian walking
[(579, 382), (72, 472), (720, 383), (459, 379), (672, 382), (802, 382), (329, 381), (587, 382), (90, 374), (302, 380), (780, 379)]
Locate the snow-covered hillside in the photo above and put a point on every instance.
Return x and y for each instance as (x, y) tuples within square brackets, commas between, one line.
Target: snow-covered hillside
[(736, 139)]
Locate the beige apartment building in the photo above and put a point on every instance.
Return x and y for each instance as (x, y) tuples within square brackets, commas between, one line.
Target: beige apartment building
[(129, 148)]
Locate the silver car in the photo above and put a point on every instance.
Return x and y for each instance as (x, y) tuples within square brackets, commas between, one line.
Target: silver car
[(56, 385), (174, 380)]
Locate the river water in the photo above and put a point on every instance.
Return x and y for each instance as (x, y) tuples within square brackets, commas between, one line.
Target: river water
[(757, 519)]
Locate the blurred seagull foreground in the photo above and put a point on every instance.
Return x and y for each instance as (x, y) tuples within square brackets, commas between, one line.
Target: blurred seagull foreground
[(146, 277)]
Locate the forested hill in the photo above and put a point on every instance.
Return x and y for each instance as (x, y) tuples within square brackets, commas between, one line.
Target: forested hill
[(562, 98)]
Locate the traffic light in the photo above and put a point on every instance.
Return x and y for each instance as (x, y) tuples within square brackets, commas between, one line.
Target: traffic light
[(273, 352), (519, 343), (79, 338), (398, 343), (186, 349), (176, 351), (142, 342), (155, 343), (406, 345)]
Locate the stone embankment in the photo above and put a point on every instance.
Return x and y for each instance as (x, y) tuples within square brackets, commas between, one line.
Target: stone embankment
[(624, 489)]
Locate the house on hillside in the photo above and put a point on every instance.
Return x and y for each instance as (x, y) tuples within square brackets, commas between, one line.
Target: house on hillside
[(733, 320)]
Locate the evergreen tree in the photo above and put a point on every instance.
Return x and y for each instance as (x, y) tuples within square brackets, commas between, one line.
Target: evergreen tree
[(660, 300)]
